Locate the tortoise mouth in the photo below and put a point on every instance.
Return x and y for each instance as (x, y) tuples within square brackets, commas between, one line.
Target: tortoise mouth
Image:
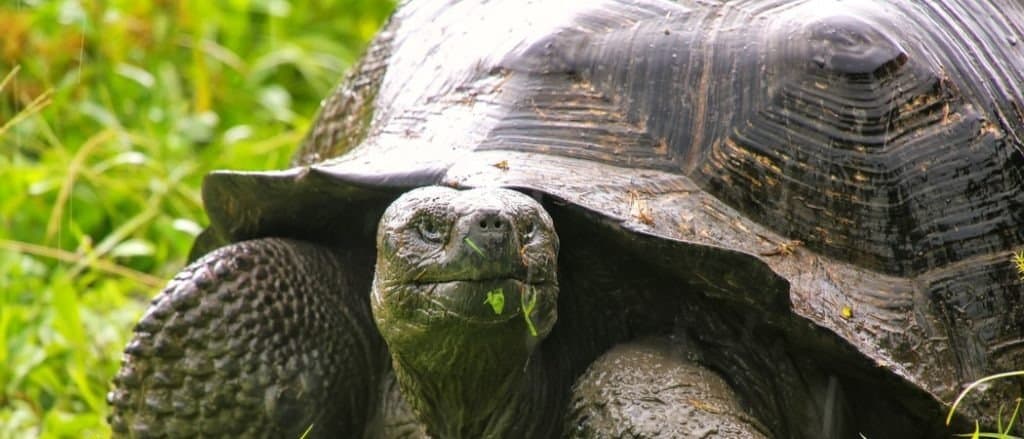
[(476, 301), (484, 301)]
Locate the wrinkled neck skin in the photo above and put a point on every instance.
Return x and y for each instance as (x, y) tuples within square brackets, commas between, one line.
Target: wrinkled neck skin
[(492, 396), (467, 377)]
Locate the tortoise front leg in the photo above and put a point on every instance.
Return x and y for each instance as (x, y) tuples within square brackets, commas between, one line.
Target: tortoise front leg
[(648, 389), (262, 338)]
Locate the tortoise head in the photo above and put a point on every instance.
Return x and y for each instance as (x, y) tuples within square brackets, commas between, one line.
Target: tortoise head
[(465, 281)]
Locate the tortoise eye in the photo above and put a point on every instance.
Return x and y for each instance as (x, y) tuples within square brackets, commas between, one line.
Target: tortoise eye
[(430, 229), (529, 231)]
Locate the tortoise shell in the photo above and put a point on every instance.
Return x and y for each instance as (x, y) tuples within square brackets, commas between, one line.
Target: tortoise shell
[(867, 154)]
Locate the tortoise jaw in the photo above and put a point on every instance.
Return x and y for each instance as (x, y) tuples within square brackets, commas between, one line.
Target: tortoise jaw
[(474, 302)]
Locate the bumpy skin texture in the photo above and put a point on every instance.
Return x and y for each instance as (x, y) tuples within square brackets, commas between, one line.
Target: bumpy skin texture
[(648, 389), (259, 339)]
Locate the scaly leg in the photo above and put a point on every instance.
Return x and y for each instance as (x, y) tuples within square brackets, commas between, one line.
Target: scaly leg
[(648, 389), (262, 338)]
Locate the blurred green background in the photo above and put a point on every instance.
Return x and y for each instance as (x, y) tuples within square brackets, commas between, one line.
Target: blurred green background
[(111, 111)]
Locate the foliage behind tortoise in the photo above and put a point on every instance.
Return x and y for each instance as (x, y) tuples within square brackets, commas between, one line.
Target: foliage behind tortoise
[(815, 200)]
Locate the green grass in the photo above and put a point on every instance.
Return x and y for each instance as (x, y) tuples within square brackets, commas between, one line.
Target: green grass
[(110, 114), (1002, 431)]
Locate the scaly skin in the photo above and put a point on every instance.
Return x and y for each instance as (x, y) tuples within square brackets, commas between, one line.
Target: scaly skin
[(258, 339), (648, 389)]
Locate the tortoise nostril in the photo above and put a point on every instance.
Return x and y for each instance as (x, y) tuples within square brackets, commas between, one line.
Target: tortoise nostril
[(487, 233), (490, 221)]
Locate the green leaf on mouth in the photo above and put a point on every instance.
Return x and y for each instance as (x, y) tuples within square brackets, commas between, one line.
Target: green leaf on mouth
[(528, 309), (496, 298), (473, 246)]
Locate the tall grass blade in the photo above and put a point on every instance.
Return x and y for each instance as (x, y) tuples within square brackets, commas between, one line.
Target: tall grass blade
[(972, 386), (65, 256)]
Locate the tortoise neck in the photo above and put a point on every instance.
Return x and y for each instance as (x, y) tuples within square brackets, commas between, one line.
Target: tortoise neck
[(514, 399)]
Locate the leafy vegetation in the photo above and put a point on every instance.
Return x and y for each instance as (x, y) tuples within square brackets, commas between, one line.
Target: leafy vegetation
[(527, 306), (473, 246), (110, 114), (496, 299)]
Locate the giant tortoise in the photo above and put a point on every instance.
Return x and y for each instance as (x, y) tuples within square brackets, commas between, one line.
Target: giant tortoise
[(618, 218)]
